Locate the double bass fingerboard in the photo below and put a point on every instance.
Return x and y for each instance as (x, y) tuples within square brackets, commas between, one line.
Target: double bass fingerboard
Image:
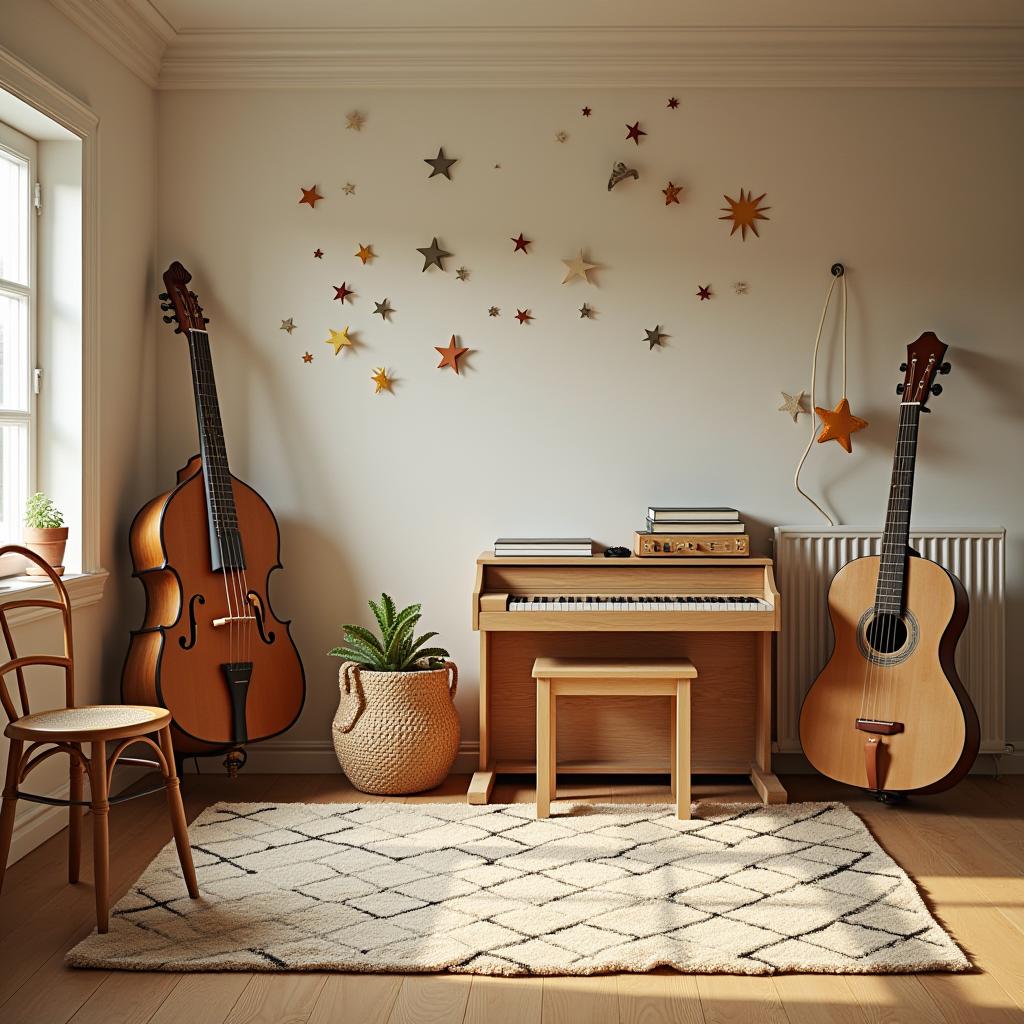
[(225, 536)]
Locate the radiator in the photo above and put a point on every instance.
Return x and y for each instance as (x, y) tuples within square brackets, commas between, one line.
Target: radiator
[(806, 559)]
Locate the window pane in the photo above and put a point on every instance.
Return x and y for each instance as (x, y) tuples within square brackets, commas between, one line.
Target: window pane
[(13, 479), (14, 350), (13, 218)]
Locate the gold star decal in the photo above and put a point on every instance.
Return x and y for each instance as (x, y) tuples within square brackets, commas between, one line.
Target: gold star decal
[(793, 404), (355, 121), (382, 380), (365, 253), (744, 213), (288, 325), (671, 193), (578, 267), (450, 355), (339, 339), (838, 424)]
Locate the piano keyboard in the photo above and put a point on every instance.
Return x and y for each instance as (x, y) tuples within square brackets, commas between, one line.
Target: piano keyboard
[(637, 603)]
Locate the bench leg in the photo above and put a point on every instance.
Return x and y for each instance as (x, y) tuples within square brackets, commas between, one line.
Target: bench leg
[(672, 745), (682, 758), (553, 748), (544, 736)]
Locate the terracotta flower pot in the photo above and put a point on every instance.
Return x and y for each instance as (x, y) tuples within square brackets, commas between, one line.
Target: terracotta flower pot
[(48, 543)]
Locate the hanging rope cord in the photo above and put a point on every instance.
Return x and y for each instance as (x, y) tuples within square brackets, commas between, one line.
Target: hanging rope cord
[(840, 279)]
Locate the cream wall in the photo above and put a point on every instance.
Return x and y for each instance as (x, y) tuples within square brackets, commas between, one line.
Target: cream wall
[(569, 426)]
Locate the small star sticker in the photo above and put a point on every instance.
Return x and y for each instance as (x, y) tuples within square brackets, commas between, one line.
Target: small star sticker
[(704, 291), (441, 164), (348, 188), (310, 197), (671, 193), (586, 111), (365, 253), (355, 121), (578, 267), (384, 308), (740, 287), (673, 103), (288, 325), (433, 255), (838, 424), (382, 380), (342, 292), (494, 311), (450, 355), (318, 254), (307, 357), (634, 131), (793, 404), (562, 136), (523, 316), (586, 312), (339, 339), (462, 274), (654, 337), (521, 243)]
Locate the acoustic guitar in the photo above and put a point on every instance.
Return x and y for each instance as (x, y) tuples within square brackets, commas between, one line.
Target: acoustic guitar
[(210, 649), (888, 713)]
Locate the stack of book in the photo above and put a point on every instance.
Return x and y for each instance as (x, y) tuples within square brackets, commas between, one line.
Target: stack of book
[(531, 547), (694, 520)]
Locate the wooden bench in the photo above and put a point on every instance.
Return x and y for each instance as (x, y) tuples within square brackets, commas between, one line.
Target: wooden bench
[(608, 677)]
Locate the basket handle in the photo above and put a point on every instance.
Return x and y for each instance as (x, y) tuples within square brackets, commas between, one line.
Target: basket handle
[(453, 685), (352, 694)]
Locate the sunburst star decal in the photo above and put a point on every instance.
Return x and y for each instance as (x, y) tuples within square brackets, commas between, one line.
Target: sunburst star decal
[(745, 212)]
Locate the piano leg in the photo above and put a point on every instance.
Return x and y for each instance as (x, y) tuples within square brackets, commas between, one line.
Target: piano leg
[(480, 787)]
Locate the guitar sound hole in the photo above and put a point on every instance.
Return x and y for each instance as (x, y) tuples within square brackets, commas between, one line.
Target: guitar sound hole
[(886, 633)]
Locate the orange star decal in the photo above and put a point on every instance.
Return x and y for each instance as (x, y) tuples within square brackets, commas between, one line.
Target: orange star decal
[(744, 213), (307, 357), (523, 316), (838, 424), (310, 197), (450, 354), (366, 253), (671, 193)]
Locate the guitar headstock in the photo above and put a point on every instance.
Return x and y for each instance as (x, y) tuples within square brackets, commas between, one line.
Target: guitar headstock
[(181, 304), (924, 361)]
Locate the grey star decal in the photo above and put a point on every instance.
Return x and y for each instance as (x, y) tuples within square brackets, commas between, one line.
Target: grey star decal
[(462, 274), (433, 254), (654, 337), (441, 164), (494, 311), (288, 325), (384, 309), (586, 312)]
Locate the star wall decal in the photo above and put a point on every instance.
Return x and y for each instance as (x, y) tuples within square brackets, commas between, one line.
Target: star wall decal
[(523, 316), (318, 254), (671, 193), (384, 309), (703, 291), (441, 164), (838, 424), (586, 111), (586, 312), (462, 274), (562, 136), (744, 213), (793, 404), (634, 131), (382, 380), (620, 172), (339, 339), (433, 255), (654, 337), (450, 355), (310, 197), (342, 292), (365, 253), (307, 357), (521, 243), (494, 311), (578, 267), (288, 325), (740, 287), (673, 103), (348, 188), (355, 121)]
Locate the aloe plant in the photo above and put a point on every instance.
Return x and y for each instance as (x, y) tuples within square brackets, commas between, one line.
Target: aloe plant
[(396, 649)]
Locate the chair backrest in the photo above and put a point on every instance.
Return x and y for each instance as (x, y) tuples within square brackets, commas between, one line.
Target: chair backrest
[(18, 665)]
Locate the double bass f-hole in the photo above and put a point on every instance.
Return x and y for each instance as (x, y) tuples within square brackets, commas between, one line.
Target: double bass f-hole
[(257, 605), (187, 643)]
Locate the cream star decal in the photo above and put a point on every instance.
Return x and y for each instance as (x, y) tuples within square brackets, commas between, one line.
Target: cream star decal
[(793, 404), (578, 267), (288, 325), (355, 121), (462, 274), (339, 339), (348, 188)]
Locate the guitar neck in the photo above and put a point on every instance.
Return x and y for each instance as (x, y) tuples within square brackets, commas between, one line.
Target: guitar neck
[(896, 535), (225, 537)]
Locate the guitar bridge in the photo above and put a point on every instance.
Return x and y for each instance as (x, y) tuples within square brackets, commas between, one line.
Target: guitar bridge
[(878, 725)]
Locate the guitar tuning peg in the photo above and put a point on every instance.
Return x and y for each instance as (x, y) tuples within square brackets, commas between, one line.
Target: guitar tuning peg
[(168, 319), (944, 368), (899, 388), (903, 367), (165, 306), (206, 319), (164, 297), (936, 389)]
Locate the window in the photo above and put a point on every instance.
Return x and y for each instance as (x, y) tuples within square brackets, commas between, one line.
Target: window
[(17, 328)]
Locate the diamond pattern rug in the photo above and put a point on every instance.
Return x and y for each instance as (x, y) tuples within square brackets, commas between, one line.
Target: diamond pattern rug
[(743, 889)]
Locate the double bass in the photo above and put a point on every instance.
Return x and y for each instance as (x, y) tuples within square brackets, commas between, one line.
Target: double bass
[(210, 648), (888, 713)]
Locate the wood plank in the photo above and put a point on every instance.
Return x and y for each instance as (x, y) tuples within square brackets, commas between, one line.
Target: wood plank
[(505, 1000), (970, 998), (588, 1000), (366, 998), (480, 787), (893, 999), (662, 997), (432, 999), (277, 998), (818, 999), (734, 999), (202, 998), (127, 997)]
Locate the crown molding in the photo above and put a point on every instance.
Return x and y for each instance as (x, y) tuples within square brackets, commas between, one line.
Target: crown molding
[(626, 57), (132, 30)]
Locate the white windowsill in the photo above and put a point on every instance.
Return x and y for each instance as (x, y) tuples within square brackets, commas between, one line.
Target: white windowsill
[(84, 589)]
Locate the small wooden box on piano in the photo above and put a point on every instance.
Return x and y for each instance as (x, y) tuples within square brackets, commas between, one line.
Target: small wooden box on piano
[(721, 613)]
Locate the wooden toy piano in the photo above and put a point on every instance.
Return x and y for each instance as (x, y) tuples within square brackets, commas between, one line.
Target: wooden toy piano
[(719, 612)]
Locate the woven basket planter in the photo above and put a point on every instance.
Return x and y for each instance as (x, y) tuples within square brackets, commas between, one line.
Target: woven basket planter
[(396, 732)]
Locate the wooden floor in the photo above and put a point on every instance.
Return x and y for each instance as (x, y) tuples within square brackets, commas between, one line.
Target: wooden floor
[(965, 849)]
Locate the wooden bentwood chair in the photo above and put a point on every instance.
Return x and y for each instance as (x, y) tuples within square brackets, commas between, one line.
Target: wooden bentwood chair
[(65, 730)]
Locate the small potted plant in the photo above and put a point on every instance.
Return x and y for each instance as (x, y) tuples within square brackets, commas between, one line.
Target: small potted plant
[(45, 533), (396, 730)]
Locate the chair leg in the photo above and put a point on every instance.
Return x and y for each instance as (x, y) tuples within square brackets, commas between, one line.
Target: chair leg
[(177, 813), (99, 807), (76, 790), (9, 806), (544, 748)]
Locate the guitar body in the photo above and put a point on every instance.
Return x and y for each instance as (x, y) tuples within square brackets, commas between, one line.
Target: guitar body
[(176, 659)]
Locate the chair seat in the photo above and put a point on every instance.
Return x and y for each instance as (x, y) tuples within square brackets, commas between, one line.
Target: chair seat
[(91, 721)]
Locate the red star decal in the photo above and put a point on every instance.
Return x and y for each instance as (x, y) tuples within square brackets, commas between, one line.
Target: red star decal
[(310, 197), (307, 357), (523, 316), (673, 103), (704, 291), (521, 243), (318, 254), (634, 131), (586, 111), (342, 292)]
